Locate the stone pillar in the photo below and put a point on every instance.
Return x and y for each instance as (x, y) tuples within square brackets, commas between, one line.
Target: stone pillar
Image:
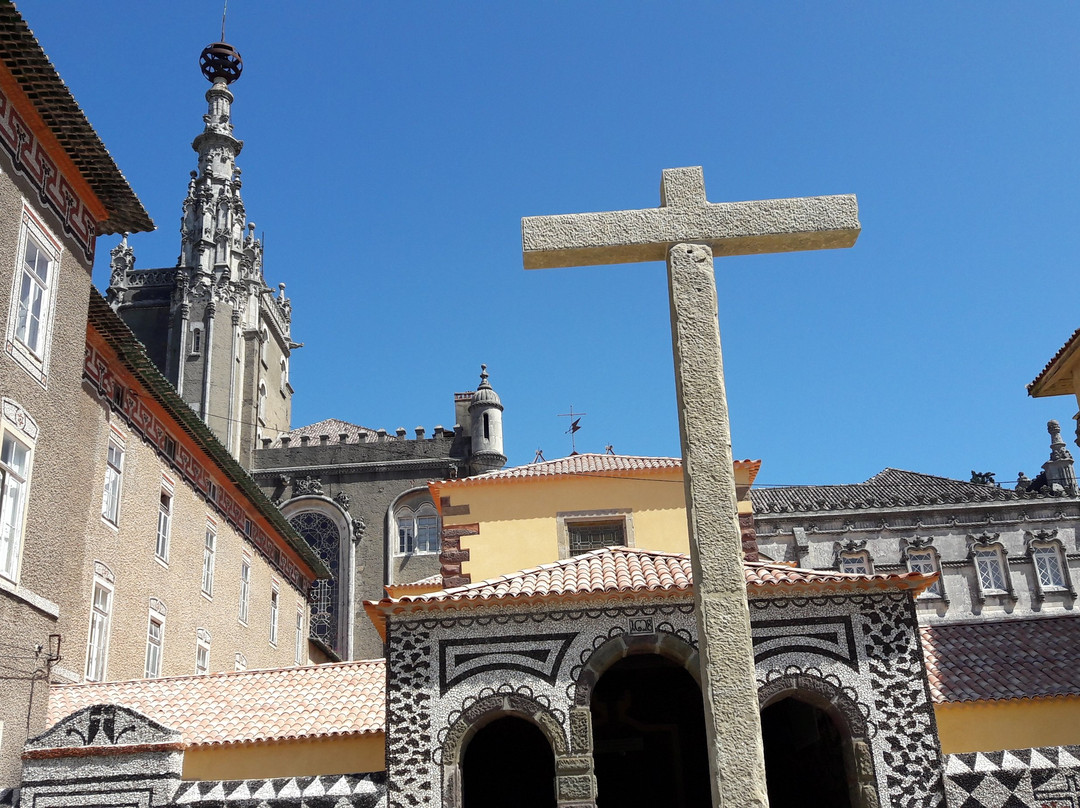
[(736, 759)]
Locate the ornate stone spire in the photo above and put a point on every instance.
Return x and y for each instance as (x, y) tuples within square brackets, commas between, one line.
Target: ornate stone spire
[(485, 427), (1059, 468)]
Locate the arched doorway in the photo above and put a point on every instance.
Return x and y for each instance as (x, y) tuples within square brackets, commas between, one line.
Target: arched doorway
[(508, 762), (804, 757), (649, 743)]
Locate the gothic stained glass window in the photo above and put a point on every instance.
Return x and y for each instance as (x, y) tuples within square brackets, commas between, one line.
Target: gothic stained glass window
[(322, 534)]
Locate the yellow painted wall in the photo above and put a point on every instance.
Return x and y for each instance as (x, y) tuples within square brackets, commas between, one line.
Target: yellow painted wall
[(988, 726), (341, 755), (519, 529)]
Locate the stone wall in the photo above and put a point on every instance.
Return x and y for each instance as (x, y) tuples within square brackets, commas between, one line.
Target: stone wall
[(52, 553), (449, 672)]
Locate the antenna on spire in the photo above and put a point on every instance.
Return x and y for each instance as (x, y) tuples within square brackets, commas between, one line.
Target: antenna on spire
[(224, 11)]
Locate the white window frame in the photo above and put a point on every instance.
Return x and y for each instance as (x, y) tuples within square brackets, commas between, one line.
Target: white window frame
[(275, 607), (261, 405), (988, 556), (245, 589), (17, 429), (408, 530), (34, 359), (97, 639), (209, 553), (202, 652), (196, 339), (114, 479), (165, 515), (857, 562), (298, 656), (921, 556), (154, 644), (284, 379), (240, 663)]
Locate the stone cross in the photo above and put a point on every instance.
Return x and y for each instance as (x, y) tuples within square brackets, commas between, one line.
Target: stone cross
[(688, 232)]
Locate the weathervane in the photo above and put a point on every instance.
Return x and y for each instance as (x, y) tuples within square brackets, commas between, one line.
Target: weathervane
[(575, 425)]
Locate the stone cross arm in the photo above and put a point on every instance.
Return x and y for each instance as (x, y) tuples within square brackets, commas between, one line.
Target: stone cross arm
[(684, 215)]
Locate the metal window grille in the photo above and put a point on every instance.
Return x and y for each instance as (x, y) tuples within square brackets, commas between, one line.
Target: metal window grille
[(586, 536)]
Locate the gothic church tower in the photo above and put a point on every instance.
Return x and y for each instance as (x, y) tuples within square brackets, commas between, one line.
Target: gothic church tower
[(211, 323)]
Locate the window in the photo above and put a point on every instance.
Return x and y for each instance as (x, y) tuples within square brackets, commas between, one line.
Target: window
[(587, 536), (584, 531), (196, 340), (14, 485), (299, 655), (284, 378), (154, 632), (31, 313), (1048, 566), (245, 588), (418, 532), (161, 549), (275, 598), (264, 343), (925, 561), (857, 563), (97, 647), (990, 570), (114, 472), (241, 662), (202, 651), (208, 560), (262, 401)]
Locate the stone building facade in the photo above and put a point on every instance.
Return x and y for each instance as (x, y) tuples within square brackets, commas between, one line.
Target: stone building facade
[(211, 324), (1002, 552), (196, 571), (223, 338), (59, 189), (360, 498)]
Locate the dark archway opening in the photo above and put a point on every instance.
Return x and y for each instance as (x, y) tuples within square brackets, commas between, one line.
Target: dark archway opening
[(508, 762), (804, 757), (649, 736)]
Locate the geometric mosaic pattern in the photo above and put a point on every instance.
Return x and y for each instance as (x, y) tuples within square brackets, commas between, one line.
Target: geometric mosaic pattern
[(326, 791), (1047, 777)]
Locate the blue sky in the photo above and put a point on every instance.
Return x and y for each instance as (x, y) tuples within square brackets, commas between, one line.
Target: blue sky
[(392, 148)]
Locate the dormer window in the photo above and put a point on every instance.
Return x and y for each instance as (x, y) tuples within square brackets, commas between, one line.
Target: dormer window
[(920, 556), (852, 557), (991, 566), (1048, 560)]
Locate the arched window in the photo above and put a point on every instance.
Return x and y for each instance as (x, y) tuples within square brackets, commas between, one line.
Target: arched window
[(264, 344), (283, 380), (326, 529), (196, 340), (262, 401), (417, 529)]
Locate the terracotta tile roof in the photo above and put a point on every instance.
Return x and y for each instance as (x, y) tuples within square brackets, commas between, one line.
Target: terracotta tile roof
[(429, 584), (1005, 659), (626, 572), (890, 488), (587, 464), (333, 427), (316, 701), (24, 57), (1070, 343)]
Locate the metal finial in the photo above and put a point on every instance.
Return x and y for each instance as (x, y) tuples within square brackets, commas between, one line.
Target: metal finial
[(224, 11), (220, 60)]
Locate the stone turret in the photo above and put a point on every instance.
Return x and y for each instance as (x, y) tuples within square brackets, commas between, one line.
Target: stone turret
[(211, 323), (485, 428)]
